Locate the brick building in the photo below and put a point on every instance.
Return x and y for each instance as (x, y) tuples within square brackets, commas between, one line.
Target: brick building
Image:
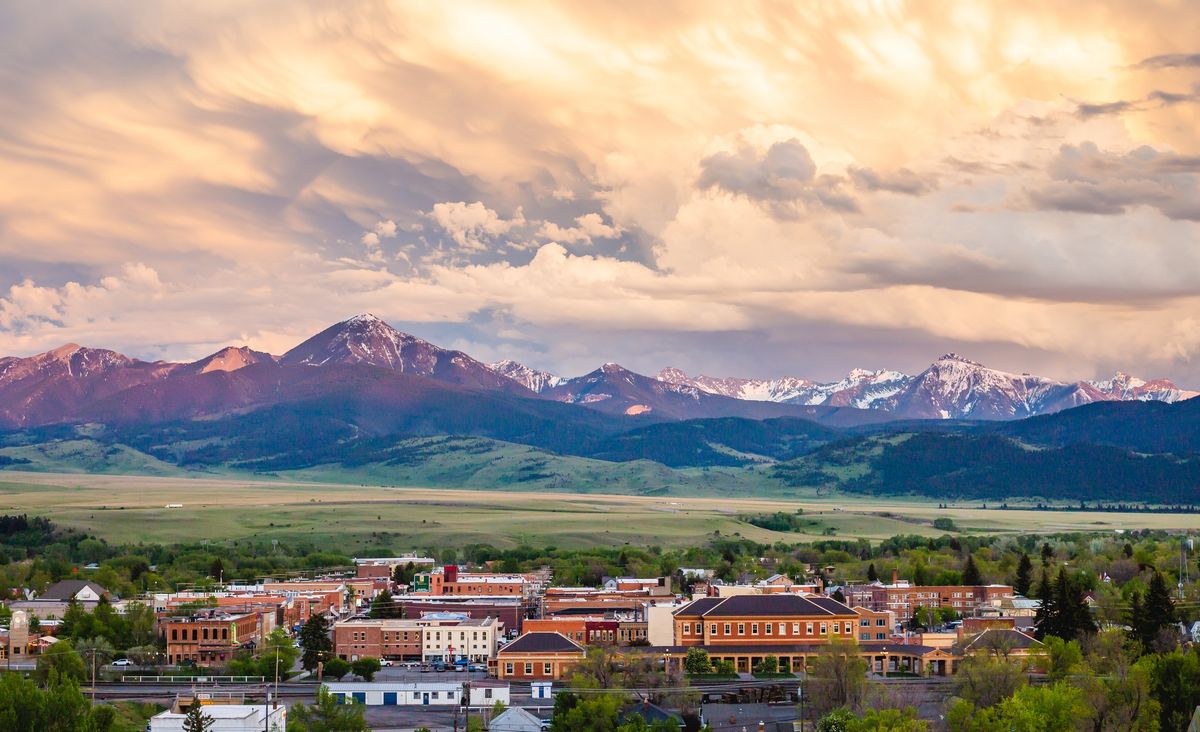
[(591, 629), (212, 638), (442, 637), (449, 580), (904, 599), (538, 657)]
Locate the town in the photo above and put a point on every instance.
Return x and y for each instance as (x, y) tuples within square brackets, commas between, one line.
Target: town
[(409, 643)]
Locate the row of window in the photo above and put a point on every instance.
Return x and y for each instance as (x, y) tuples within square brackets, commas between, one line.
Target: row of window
[(866, 622), (547, 669), (769, 628), (196, 634)]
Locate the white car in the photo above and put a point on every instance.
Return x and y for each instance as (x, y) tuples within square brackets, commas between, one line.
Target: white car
[(385, 662), (122, 662)]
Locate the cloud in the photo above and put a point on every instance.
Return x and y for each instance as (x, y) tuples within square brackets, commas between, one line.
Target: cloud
[(251, 155), (1095, 110), (902, 180), (587, 227), (783, 173), (473, 226), (1171, 61), (1086, 179)]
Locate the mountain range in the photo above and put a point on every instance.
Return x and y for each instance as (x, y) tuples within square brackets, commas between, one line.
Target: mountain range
[(72, 382), (361, 394), (952, 387)]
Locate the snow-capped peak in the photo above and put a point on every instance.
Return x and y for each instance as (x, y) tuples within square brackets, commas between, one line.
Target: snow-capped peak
[(531, 378)]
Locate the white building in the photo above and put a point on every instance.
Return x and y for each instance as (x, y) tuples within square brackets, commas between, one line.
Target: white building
[(385, 693), (228, 718), (486, 692), (470, 638)]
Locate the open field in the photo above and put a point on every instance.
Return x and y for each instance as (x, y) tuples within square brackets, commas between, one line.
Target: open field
[(350, 518)]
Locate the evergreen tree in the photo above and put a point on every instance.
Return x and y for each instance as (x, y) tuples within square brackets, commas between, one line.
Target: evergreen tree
[(1024, 575), (970, 574), (384, 606), (217, 570), (1047, 554), (196, 720), (872, 574), (1080, 621), (1157, 612), (1046, 613), (314, 639), (1135, 618)]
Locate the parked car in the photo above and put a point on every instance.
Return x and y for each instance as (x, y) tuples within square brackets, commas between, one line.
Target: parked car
[(385, 662), (123, 662), (477, 667), (410, 664)]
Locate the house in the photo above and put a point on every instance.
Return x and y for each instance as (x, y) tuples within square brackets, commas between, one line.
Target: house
[(227, 718), (538, 656), (53, 602), (515, 719), (1004, 642)]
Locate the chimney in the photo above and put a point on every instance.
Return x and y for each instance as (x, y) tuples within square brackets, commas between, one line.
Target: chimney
[(450, 573), (895, 576)]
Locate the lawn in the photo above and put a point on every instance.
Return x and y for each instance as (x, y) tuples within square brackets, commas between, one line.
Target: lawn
[(355, 517)]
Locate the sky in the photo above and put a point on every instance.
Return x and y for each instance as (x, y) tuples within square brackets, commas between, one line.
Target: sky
[(753, 189)]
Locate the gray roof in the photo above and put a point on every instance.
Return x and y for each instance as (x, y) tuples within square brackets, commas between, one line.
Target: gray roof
[(64, 590), (763, 605), (541, 642), (515, 719)]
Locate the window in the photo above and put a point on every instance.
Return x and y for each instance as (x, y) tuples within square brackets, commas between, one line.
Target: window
[(880, 622), (795, 628), (687, 628), (434, 695), (508, 669), (824, 629), (849, 627), (741, 628), (770, 628), (865, 623), (726, 628), (864, 636), (783, 628), (754, 629), (174, 633), (529, 669), (808, 628), (546, 669), (487, 693)]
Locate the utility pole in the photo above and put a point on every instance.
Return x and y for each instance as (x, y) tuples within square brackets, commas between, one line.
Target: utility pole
[(93, 677), (467, 705)]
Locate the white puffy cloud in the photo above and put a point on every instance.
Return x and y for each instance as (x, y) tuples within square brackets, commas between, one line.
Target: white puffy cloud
[(587, 227), (473, 226)]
